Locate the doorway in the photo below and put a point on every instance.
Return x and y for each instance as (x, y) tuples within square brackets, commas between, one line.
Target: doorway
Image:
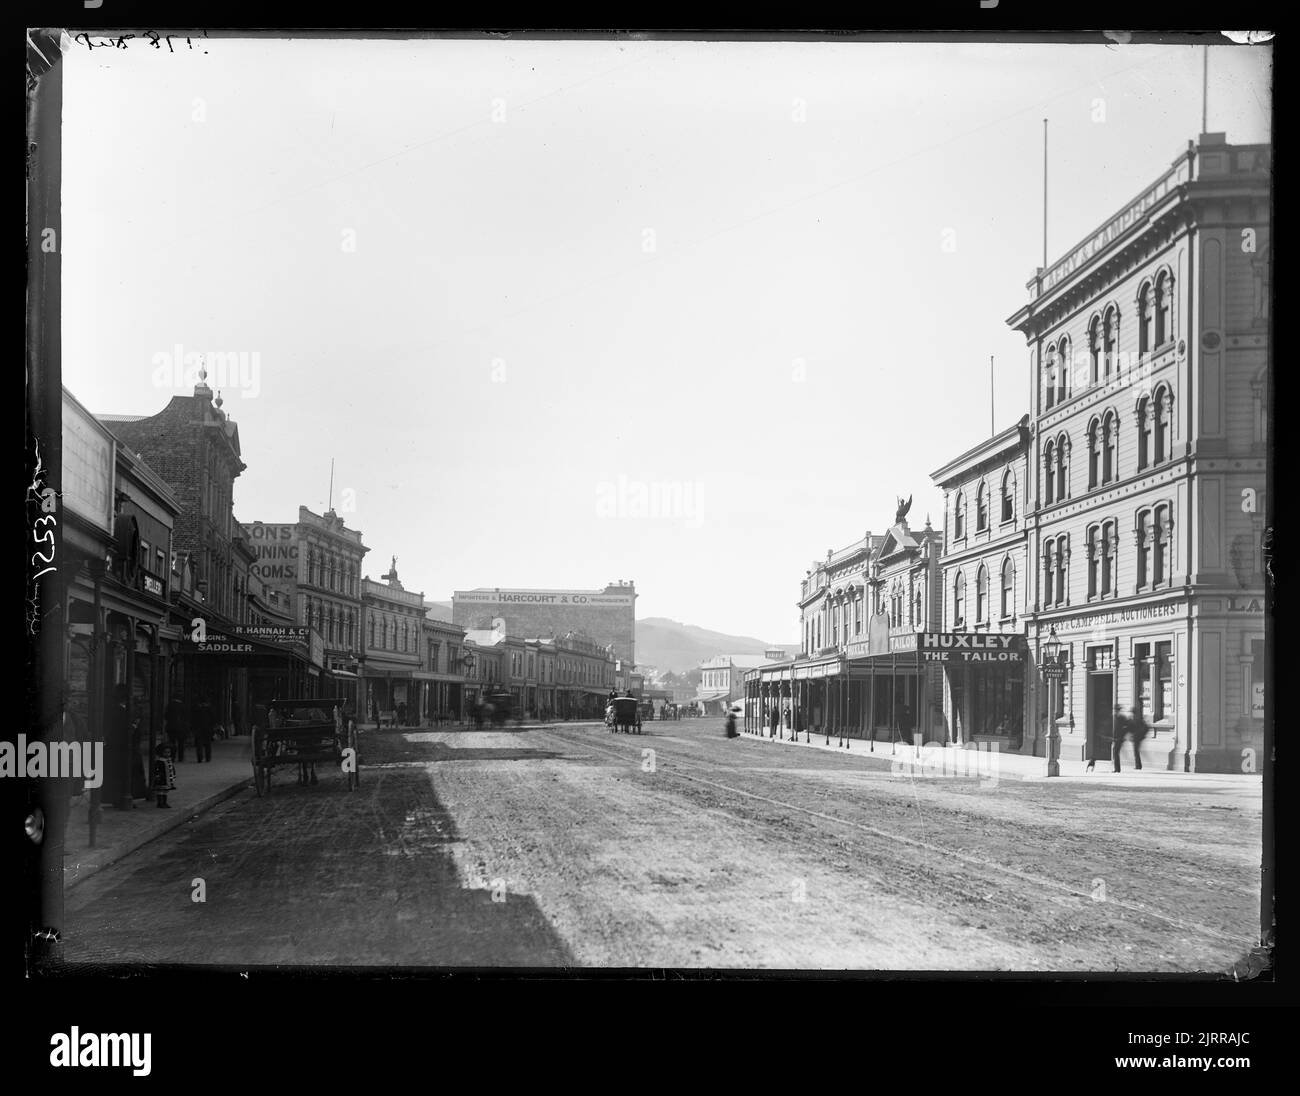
[(1101, 715)]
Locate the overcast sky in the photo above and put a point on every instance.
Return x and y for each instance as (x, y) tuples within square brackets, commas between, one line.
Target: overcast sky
[(563, 313)]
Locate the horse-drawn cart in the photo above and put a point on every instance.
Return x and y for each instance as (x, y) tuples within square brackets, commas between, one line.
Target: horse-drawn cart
[(303, 733), (623, 714)]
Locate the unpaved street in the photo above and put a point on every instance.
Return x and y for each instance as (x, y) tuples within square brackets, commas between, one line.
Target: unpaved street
[(569, 845)]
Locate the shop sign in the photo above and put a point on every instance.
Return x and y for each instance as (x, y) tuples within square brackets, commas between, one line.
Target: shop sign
[(1257, 699), (1121, 616), (153, 586), (971, 647), (825, 669), (88, 465)]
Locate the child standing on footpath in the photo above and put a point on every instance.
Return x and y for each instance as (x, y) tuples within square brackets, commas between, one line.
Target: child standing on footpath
[(164, 775)]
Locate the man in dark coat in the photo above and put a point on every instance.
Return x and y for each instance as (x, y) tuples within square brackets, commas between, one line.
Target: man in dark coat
[(203, 730), (174, 722)]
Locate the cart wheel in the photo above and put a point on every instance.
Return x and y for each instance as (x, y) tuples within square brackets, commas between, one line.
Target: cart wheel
[(354, 777)]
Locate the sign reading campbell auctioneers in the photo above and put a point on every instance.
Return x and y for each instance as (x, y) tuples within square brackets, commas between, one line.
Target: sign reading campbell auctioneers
[(971, 647)]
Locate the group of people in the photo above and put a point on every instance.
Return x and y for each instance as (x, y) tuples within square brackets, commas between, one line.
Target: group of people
[(126, 745)]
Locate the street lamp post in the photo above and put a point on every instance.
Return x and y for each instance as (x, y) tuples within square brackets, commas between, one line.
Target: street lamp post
[(468, 664), (1054, 671)]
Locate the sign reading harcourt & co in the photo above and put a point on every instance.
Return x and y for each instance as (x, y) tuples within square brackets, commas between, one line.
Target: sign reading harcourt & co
[(971, 647)]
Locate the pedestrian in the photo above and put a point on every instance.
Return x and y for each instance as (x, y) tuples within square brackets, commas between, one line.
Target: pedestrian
[(121, 730), (374, 711), (164, 774), (203, 730), (776, 717), (731, 722), (401, 714), (174, 721), (1138, 730)]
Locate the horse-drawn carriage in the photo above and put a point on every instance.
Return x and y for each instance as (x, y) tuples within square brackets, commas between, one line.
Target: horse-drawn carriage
[(305, 733), (623, 714)]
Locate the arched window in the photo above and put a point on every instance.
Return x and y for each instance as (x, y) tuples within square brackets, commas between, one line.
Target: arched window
[(1008, 589), (1162, 412), (982, 593), (1141, 536), (1062, 564), (1110, 451), (1049, 377), (309, 608), (1049, 473), (1146, 319), (372, 631), (1094, 350), (1144, 432), (1094, 453), (1094, 560), (1109, 542), (1008, 496), (1163, 308), (959, 520), (1110, 341), (1048, 573), (1162, 530), (982, 506), (959, 600), (1062, 468), (1064, 368)]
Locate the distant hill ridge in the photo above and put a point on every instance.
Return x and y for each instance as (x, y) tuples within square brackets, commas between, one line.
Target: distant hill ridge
[(670, 645)]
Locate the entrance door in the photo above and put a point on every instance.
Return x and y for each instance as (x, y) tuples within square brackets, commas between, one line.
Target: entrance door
[(1101, 715)]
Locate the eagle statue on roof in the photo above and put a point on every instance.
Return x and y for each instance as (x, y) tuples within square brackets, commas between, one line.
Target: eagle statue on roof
[(903, 508)]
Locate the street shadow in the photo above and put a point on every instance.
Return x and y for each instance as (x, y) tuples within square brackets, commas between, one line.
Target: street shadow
[(361, 879)]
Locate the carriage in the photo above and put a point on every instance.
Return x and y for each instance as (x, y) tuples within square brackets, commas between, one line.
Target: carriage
[(303, 733), (623, 714)]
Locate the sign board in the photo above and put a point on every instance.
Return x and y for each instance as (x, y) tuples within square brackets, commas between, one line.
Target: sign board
[(275, 633), (1257, 699), (88, 466), (276, 549), (1135, 615), (153, 585), (543, 597), (971, 646)]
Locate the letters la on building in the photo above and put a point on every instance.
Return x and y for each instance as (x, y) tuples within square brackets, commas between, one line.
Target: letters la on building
[(1123, 517)]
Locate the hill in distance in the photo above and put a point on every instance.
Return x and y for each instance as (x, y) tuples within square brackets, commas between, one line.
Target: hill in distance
[(670, 645)]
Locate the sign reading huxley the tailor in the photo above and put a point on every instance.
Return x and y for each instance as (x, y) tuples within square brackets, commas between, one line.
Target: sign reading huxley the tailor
[(971, 647)]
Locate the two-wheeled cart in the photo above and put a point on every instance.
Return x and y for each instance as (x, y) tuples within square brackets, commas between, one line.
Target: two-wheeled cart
[(305, 733)]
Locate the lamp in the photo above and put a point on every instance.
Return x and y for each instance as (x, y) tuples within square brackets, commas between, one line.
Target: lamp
[(1054, 671), (1052, 648)]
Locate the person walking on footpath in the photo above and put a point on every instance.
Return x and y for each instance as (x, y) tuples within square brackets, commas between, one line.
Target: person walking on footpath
[(203, 730), (731, 723), (174, 724), (164, 774)]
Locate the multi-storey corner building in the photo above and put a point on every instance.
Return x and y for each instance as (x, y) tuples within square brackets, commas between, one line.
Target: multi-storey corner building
[(986, 589), (1149, 351), (393, 628)]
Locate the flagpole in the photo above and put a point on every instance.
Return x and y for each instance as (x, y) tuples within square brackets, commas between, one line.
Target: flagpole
[(331, 505), (1205, 89), (993, 417), (1044, 195)]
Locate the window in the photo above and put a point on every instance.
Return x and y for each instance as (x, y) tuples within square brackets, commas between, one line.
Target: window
[(959, 519), (1094, 350), (1064, 358), (1109, 542), (1049, 378), (1163, 307), (1062, 561), (372, 631), (1110, 447), (1049, 473), (1162, 540), (982, 507), (309, 614), (982, 594), (1094, 454), (918, 615), (1094, 560), (1146, 318), (1110, 341), (1144, 432), (1008, 589), (1142, 537), (1048, 574), (1008, 496), (1162, 707), (1162, 409), (1062, 468), (959, 600)]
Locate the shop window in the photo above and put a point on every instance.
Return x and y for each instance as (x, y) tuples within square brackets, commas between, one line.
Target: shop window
[(1163, 697), (1255, 678), (1008, 589)]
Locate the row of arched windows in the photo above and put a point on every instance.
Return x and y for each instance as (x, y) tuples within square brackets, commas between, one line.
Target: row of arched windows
[(1154, 442), (1153, 542), (1061, 373), (331, 573), (1006, 602), (391, 633), (1006, 505), (337, 625)]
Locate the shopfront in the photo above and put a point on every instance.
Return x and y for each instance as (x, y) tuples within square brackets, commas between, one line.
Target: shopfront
[(984, 685)]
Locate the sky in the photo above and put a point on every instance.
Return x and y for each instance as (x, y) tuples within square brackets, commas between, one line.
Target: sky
[(563, 313)]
